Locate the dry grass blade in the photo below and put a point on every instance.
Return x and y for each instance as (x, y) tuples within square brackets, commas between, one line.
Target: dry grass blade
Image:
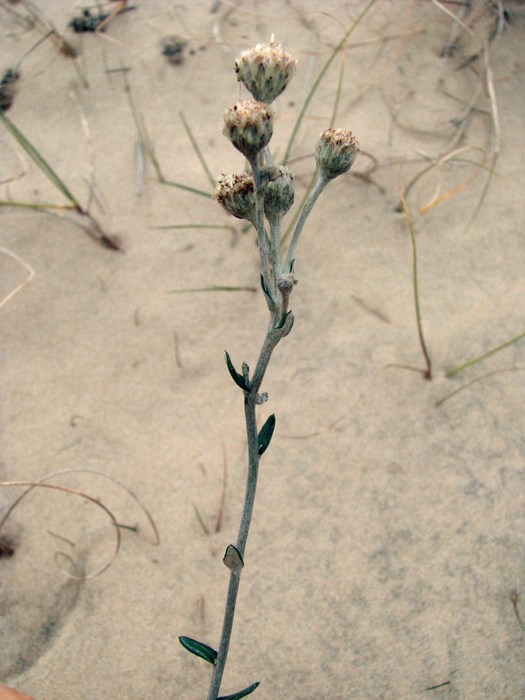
[(27, 266), (41, 483), (75, 492), (441, 401), (87, 470), (496, 132)]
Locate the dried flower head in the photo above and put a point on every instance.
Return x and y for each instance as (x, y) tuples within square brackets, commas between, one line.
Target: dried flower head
[(265, 71), (279, 193), (249, 126), (236, 193), (336, 152)]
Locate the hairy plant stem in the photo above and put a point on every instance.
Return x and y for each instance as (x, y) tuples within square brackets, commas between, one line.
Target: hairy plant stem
[(312, 199), (273, 336), (278, 328)]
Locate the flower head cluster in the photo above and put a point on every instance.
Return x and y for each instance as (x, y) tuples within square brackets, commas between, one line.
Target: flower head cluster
[(249, 126), (236, 193), (265, 71), (336, 152)]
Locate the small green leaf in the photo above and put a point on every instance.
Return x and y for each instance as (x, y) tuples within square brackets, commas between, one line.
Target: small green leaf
[(241, 693), (265, 436), (283, 319), (265, 290), (237, 378), (199, 649), (232, 558)]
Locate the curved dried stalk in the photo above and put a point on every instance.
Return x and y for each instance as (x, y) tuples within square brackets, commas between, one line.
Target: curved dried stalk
[(79, 470), (30, 270), (66, 489)]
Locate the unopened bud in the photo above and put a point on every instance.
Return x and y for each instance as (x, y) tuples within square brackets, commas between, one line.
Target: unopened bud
[(279, 193), (286, 283), (336, 152), (236, 193), (265, 71), (249, 126)]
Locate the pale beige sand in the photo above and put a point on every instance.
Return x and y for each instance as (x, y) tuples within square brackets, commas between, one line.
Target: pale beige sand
[(388, 531)]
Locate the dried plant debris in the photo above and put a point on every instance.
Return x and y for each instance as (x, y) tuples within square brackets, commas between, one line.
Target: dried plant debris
[(173, 48), (88, 22), (97, 22), (7, 88), (6, 547)]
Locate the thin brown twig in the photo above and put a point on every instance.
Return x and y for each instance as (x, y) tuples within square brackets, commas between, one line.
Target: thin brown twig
[(515, 599)]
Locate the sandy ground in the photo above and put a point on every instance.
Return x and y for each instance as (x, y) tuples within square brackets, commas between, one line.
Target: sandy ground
[(387, 538)]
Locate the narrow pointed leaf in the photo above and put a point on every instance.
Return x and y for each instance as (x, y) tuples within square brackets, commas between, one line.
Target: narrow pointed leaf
[(265, 290), (265, 435), (38, 159), (283, 319), (199, 649), (237, 378), (241, 693), (288, 324)]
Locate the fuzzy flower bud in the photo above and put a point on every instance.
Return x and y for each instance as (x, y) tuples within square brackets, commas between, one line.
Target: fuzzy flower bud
[(236, 193), (279, 193), (265, 71), (249, 126), (336, 152)]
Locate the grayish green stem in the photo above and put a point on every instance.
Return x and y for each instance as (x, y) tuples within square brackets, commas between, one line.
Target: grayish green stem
[(273, 336), (264, 244), (319, 187), (275, 233)]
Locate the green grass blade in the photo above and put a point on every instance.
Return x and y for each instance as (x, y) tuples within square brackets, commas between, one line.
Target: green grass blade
[(311, 184), (320, 77), (212, 288), (187, 188), (339, 88), (198, 151), (428, 371), (32, 205), (150, 150), (39, 160), (168, 227), (485, 355)]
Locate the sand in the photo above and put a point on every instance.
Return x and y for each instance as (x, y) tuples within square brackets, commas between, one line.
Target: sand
[(387, 537)]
